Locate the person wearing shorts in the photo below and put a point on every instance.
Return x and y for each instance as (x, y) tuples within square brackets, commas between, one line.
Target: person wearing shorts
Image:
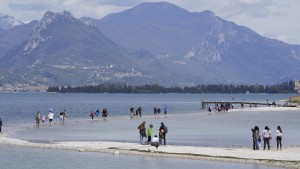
[(50, 116)]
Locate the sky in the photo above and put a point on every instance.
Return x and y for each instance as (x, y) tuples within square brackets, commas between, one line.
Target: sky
[(276, 19)]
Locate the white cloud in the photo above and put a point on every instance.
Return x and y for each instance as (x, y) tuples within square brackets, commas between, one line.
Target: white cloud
[(272, 18)]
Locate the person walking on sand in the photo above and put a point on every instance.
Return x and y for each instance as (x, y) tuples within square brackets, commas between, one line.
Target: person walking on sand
[(165, 109), (43, 119), (149, 133), (104, 113), (155, 141), (158, 110), (62, 116), (97, 113), (256, 138), (267, 135), (279, 137), (50, 117), (163, 130), (131, 112), (92, 114), (142, 131), (37, 119), (155, 110), (1, 123), (140, 111)]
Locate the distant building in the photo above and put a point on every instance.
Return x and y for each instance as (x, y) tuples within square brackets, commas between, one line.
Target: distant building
[(297, 86)]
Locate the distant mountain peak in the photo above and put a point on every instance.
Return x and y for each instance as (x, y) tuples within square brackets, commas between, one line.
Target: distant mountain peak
[(149, 12), (38, 35), (208, 13), (50, 17), (159, 8), (7, 22)]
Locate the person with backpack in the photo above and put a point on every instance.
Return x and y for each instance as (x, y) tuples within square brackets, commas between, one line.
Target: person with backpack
[(142, 131), (163, 130)]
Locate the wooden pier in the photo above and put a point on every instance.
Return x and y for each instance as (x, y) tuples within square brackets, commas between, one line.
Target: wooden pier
[(205, 104)]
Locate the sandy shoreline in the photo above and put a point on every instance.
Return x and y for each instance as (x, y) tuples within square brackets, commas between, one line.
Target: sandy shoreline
[(287, 158)]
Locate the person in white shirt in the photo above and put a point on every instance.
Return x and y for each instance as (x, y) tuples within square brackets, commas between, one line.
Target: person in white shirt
[(155, 141), (279, 137), (267, 135), (50, 116)]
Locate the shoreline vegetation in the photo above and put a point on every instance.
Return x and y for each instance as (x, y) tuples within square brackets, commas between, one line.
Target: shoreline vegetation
[(286, 87)]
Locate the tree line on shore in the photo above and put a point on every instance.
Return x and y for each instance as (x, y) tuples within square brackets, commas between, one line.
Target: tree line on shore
[(285, 87)]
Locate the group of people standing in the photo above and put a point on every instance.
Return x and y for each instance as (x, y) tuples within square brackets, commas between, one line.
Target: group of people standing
[(136, 113), (97, 114), (155, 141), (158, 110), (267, 136), (50, 116)]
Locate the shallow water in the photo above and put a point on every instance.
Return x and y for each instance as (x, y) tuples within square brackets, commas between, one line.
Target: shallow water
[(198, 129), (21, 107), (187, 123), (28, 158)]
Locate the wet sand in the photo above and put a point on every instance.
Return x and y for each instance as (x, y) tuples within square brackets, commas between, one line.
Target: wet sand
[(289, 157)]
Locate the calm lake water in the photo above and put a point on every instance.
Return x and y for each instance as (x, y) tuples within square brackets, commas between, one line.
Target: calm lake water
[(21, 107), (28, 158), (188, 125)]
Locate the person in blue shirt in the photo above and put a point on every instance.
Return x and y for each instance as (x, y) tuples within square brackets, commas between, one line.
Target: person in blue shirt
[(165, 109)]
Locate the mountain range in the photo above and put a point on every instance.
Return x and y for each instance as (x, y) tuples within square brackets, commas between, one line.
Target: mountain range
[(155, 42)]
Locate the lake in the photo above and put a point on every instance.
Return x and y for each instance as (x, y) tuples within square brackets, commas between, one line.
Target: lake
[(188, 124)]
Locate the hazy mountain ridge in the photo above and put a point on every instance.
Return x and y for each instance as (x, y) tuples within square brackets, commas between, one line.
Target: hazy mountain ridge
[(7, 22), (63, 50), (150, 43), (218, 50)]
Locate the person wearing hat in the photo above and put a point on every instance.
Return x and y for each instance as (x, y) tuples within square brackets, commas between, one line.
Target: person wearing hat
[(267, 135), (142, 131), (1, 126)]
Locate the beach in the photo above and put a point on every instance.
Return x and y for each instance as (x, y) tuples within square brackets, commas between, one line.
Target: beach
[(194, 133), (289, 157)]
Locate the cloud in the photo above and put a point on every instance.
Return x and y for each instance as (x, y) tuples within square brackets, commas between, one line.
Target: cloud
[(26, 6), (278, 18)]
